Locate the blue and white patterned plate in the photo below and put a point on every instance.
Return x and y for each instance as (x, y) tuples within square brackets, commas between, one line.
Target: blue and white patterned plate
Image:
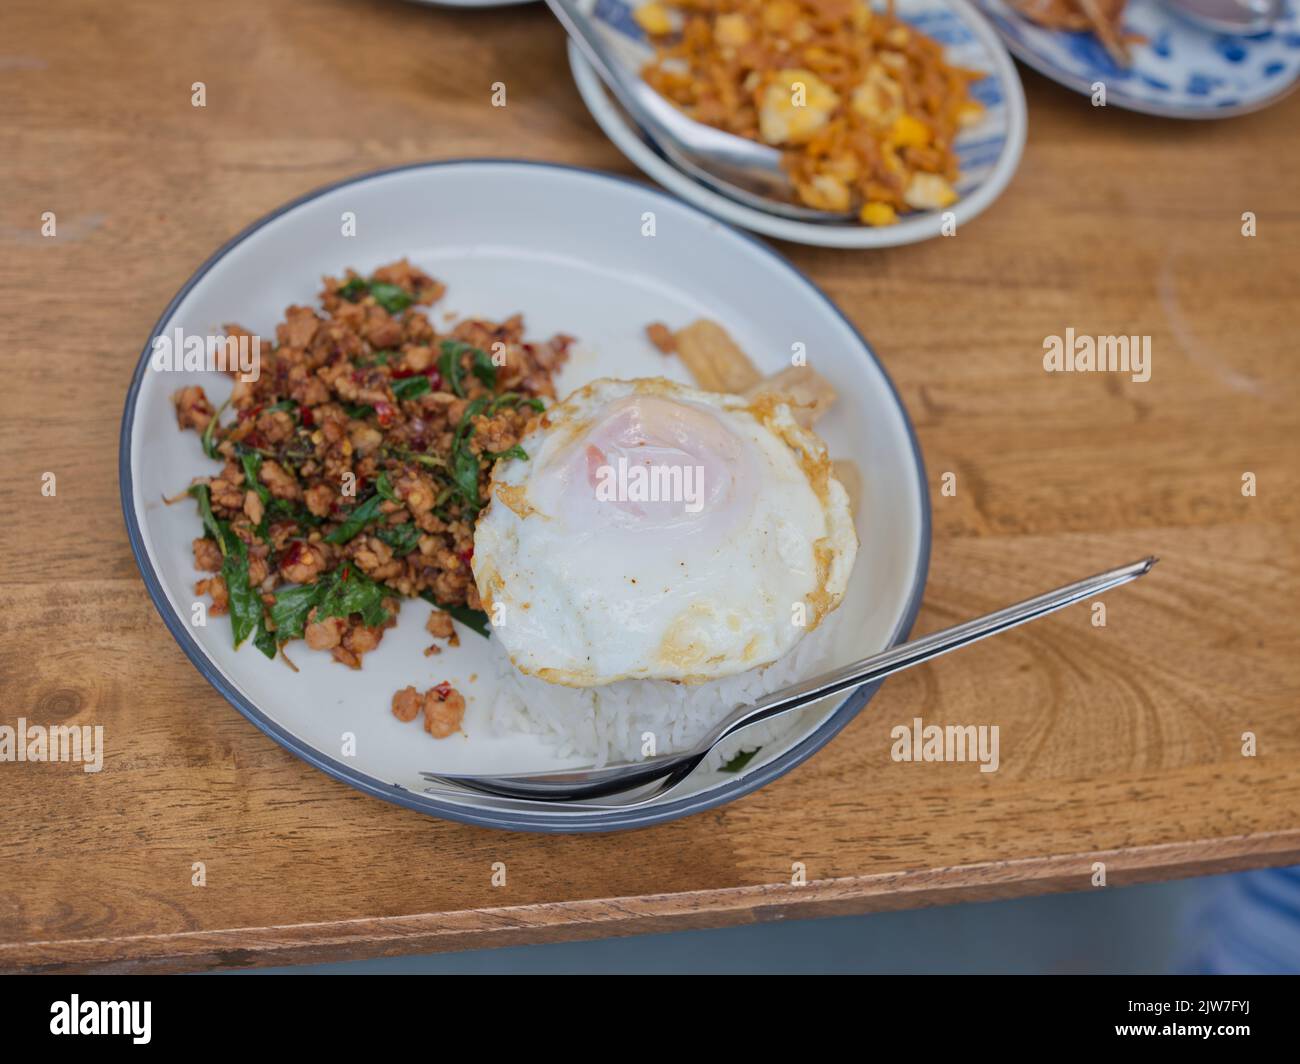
[(989, 151), (1181, 71)]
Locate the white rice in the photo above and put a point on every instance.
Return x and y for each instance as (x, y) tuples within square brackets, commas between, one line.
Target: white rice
[(608, 723)]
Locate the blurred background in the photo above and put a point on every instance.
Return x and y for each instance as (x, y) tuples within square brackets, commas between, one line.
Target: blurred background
[(1247, 923)]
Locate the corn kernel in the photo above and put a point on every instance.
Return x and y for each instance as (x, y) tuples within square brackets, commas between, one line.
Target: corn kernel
[(731, 30), (877, 214), (654, 19), (909, 132)]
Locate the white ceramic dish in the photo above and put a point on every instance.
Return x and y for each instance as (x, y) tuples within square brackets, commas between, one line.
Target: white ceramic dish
[(565, 247), (1180, 70), (989, 151)]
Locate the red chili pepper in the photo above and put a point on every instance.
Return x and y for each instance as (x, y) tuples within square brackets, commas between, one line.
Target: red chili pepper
[(251, 412), (308, 418), (384, 412), (435, 380), (443, 690), (292, 555), (466, 556)]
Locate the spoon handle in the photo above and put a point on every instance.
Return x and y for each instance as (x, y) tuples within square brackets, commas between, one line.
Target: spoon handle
[(904, 656), (596, 50)]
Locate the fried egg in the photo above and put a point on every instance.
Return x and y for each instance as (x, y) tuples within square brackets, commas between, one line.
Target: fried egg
[(655, 531)]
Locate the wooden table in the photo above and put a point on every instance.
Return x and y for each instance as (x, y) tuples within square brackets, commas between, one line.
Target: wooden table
[(1120, 744)]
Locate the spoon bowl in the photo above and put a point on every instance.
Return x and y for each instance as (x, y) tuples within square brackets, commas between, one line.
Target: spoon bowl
[(743, 169)]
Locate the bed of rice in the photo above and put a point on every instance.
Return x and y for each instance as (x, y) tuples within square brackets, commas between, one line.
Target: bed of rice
[(608, 723)]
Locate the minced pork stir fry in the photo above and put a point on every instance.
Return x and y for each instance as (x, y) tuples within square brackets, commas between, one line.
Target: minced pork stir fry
[(355, 466)]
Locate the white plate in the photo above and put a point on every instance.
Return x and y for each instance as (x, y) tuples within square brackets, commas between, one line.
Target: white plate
[(1181, 71), (564, 247), (989, 151)]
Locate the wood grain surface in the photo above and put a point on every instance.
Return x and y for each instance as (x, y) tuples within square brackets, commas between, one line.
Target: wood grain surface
[(1120, 744)]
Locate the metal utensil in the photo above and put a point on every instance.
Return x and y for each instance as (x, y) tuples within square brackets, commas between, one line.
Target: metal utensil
[(735, 166), (545, 789), (1237, 17)]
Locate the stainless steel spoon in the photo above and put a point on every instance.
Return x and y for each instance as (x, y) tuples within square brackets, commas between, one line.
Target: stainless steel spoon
[(735, 166), (545, 789)]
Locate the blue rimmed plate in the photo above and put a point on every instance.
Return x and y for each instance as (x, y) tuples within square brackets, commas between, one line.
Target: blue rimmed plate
[(568, 249), (989, 151), (1180, 71)]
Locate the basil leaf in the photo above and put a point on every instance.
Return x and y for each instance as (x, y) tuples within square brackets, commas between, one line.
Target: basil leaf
[(292, 605), (402, 538), (266, 642), (245, 602), (483, 367), (391, 297), (511, 452), (453, 370), (360, 411), (411, 387), (357, 520), (354, 289), (385, 488), (351, 591), (449, 366), (203, 495), (739, 761), (515, 399), (286, 509), (209, 432), (474, 620)]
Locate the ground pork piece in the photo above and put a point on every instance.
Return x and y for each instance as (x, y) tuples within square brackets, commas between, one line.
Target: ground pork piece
[(325, 634), (253, 506), (299, 327), (207, 556), (257, 569), (383, 331), (439, 625), (662, 337), (302, 563), (444, 710), (320, 497), (216, 587), (417, 359), (282, 485), (193, 411), (407, 703), (362, 639), (365, 438), (276, 426), (345, 657), (375, 559), (495, 434), (227, 492)]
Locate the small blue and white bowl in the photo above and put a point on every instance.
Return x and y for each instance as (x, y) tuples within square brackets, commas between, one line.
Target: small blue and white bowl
[(989, 151), (1181, 71)]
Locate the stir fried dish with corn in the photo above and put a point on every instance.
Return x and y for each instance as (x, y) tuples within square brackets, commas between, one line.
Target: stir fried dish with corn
[(355, 465), (864, 106)]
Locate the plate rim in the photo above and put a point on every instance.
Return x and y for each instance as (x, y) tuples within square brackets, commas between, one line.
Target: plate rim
[(1118, 97), (568, 821), (845, 237)]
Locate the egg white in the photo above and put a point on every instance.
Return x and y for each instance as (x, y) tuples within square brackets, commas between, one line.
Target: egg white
[(584, 590)]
